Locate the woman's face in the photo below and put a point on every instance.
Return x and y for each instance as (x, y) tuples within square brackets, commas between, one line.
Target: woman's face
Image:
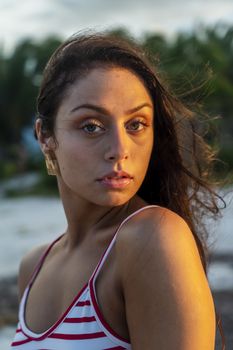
[(104, 125)]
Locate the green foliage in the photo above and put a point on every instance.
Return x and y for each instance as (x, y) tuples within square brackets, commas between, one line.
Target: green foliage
[(20, 77), (226, 155), (7, 169)]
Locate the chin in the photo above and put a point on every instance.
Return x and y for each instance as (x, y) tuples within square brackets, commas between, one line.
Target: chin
[(113, 199)]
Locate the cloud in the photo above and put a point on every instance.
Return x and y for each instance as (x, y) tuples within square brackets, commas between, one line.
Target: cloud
[(64, 17)]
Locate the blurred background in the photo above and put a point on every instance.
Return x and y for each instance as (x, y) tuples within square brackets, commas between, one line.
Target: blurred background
[(192, 46)]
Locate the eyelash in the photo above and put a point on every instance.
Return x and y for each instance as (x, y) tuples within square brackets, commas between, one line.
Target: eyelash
[(93, 122)]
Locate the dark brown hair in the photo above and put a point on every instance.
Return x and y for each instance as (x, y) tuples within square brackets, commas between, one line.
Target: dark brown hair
[(178, 176)]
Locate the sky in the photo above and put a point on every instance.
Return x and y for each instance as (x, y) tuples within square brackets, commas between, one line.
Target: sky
[(39, 18)]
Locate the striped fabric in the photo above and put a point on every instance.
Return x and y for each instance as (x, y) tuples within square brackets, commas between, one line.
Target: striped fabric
[(82, 326)]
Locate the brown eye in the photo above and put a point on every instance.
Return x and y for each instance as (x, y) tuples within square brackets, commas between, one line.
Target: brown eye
[(92, 127), (138, 125)]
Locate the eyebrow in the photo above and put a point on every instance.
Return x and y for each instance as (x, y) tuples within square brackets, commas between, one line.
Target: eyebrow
[(102, 110)]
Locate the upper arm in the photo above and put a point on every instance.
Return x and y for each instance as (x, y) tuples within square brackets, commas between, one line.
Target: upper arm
[(168, 300), (27, 267)]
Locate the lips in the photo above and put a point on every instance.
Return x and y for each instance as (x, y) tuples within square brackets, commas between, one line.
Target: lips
[(116, 175), (116, 180)]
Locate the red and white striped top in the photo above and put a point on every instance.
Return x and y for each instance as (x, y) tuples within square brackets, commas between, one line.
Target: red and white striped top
[(81, 327)]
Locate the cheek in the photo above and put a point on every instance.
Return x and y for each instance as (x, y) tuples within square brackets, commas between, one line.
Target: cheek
[(144, 150), (76, 158)]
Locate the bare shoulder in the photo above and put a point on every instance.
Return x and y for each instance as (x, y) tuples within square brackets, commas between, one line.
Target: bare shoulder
[(28, 265), (164, 284), (157, 229)]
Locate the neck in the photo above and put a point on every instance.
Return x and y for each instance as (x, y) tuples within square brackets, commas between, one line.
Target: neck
[(87, 221)]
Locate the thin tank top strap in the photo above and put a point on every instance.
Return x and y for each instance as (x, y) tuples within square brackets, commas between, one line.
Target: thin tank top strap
[(41, 260), (108, 249)]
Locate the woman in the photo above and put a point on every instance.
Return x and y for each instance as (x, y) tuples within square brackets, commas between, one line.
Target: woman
[(129, 272)]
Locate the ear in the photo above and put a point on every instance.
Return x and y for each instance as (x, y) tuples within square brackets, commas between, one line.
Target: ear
[(47, 143)]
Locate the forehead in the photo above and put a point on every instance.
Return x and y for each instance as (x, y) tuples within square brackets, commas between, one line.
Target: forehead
[(106, 83)]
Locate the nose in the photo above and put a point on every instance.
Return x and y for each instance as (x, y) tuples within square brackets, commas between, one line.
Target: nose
[(117, 149)]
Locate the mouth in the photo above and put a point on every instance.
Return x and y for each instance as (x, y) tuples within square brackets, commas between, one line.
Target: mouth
[(115, 178), (116, 175), (118, 181)]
